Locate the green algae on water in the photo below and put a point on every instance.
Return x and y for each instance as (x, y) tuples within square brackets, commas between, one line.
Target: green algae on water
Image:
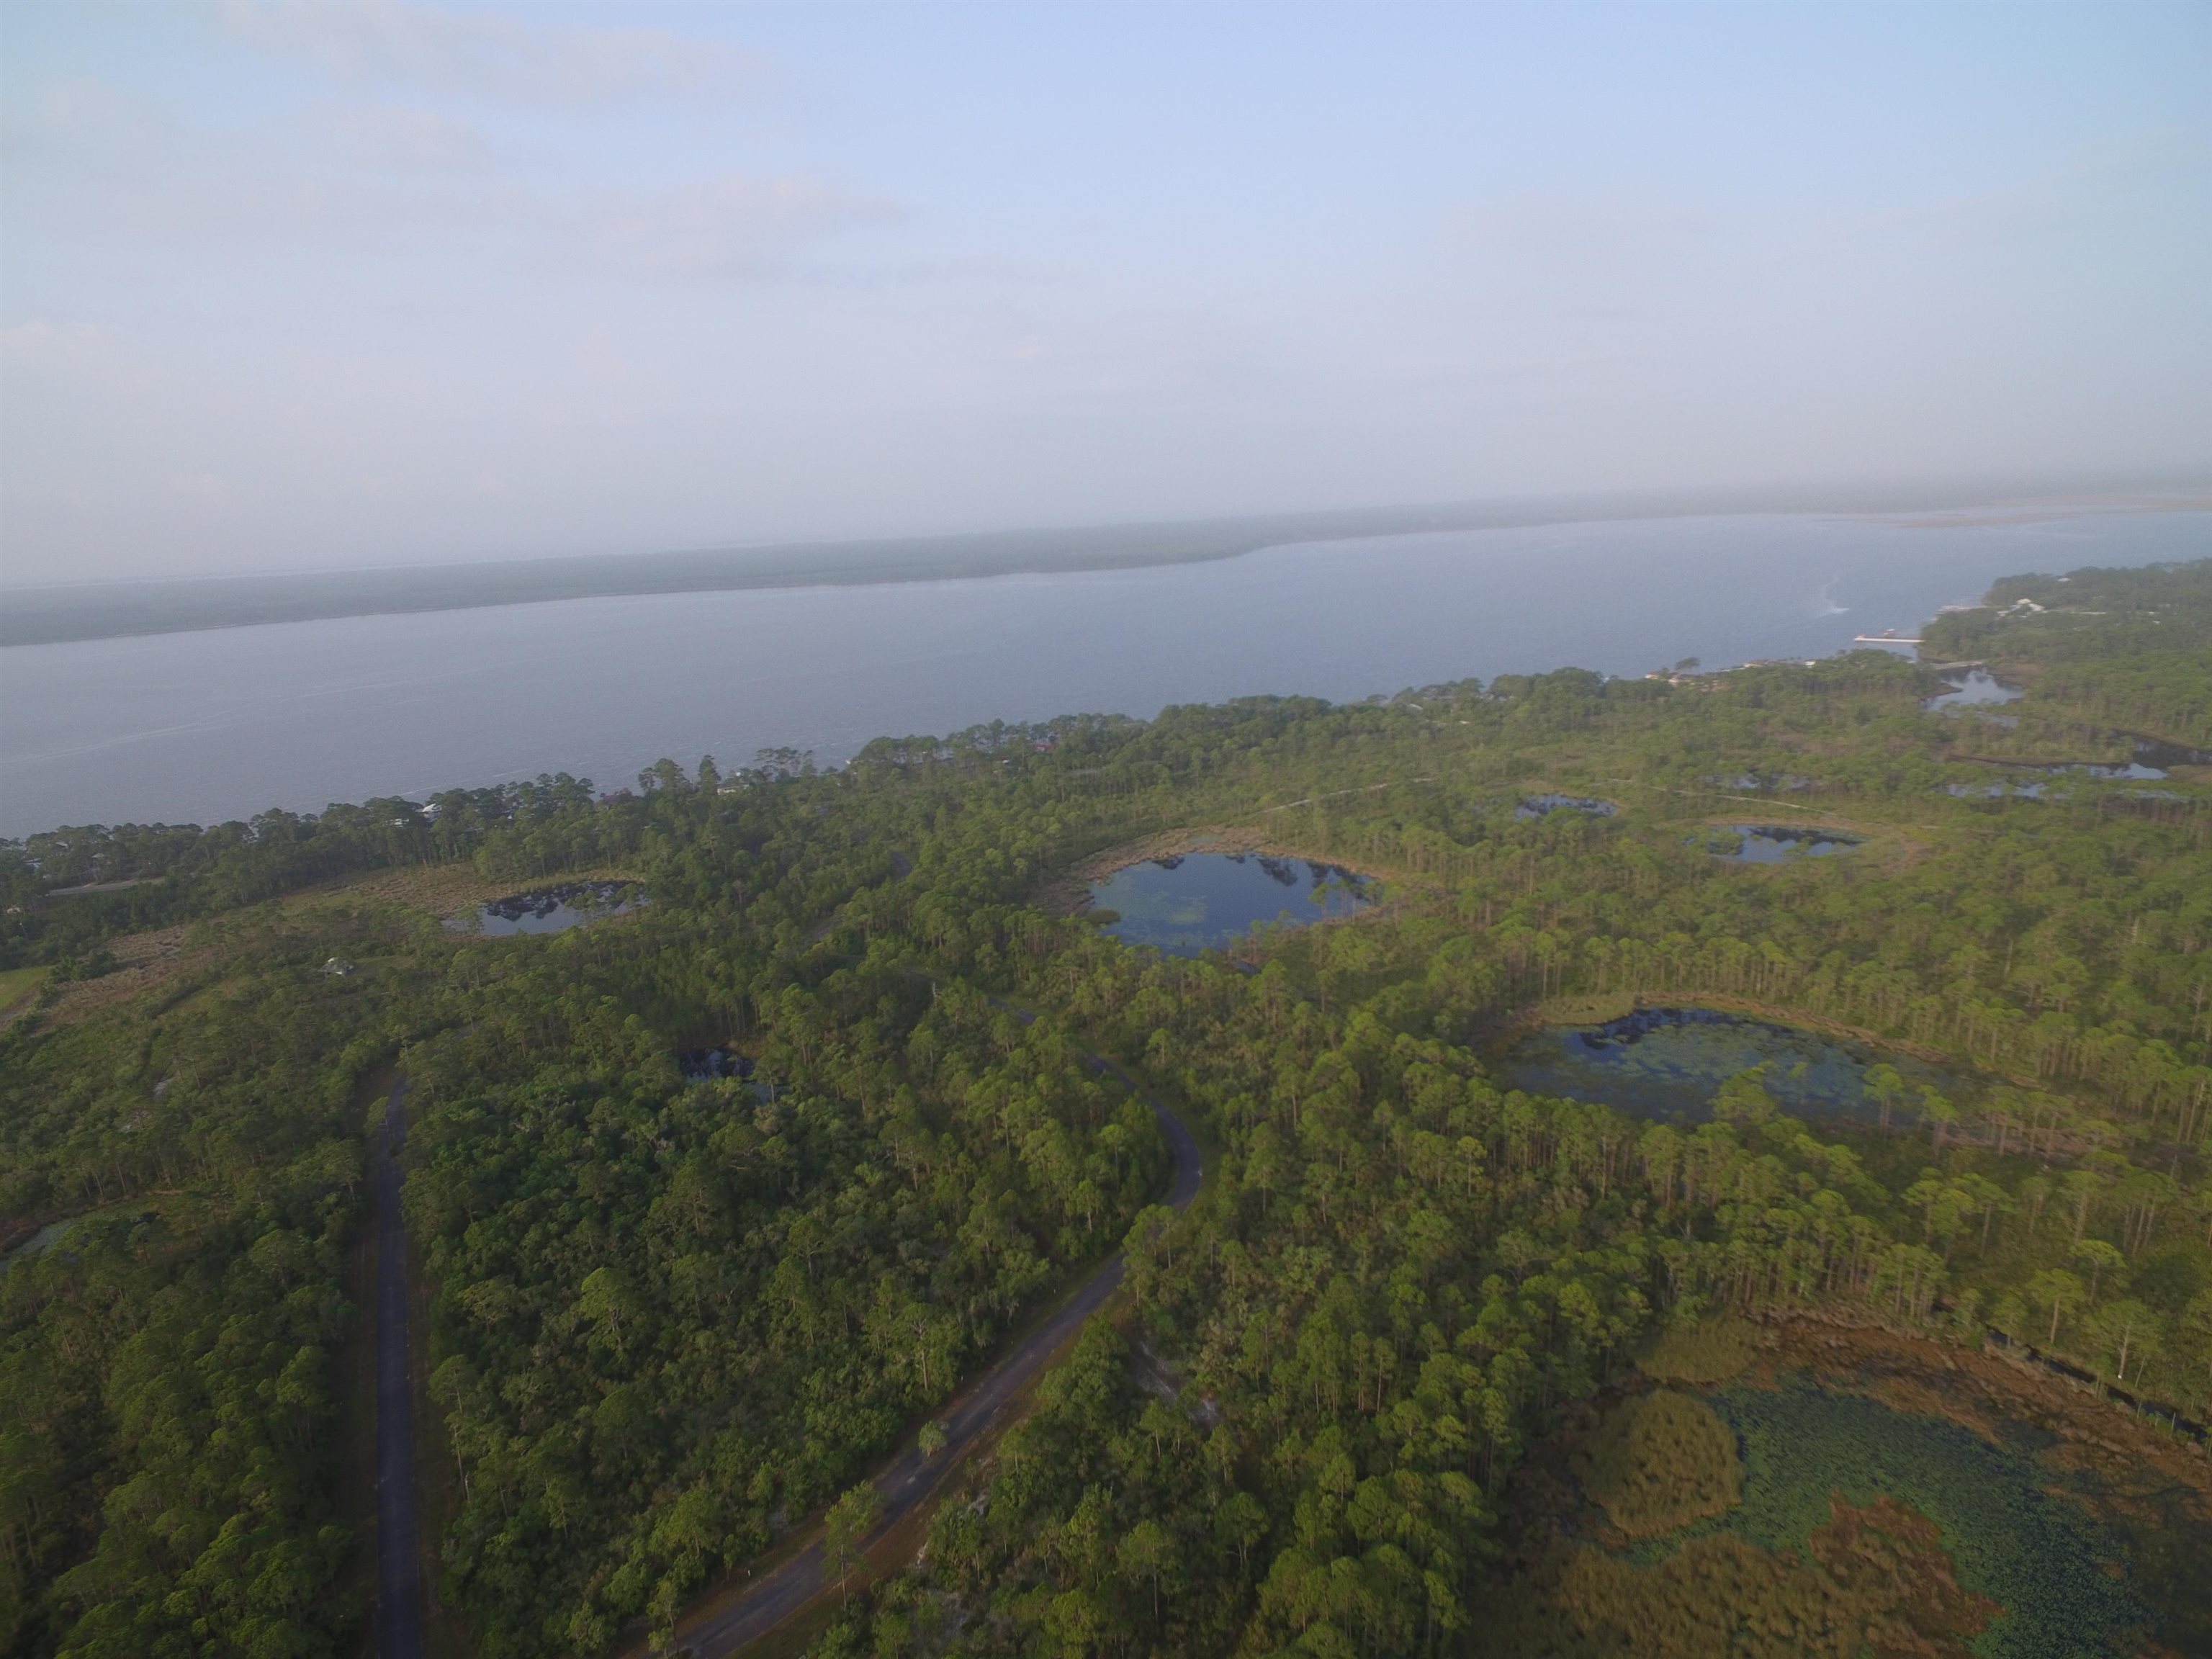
[(2042, 1557)]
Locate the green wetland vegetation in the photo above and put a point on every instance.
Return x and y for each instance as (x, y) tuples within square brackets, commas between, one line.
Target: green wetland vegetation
[(2039, 1558), (1435, 1365), (1790, 1518)]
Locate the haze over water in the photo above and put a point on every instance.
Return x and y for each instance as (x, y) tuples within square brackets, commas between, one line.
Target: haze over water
[(221, 725)]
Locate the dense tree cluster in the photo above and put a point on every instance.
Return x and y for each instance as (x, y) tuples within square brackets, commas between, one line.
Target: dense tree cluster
[(166, 1450), (671, 1315)]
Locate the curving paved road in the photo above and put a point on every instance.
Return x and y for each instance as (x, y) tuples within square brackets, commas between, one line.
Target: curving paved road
[(398, 1618), (765, 1603)]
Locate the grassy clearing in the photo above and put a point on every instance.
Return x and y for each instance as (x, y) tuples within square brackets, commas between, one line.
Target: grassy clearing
[(1711, 1351), (20, 985), (1872, 1580)]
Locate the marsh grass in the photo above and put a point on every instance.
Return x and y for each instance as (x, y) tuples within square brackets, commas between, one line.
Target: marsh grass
[(20, 985), (1870, 1581), (2039, 1556), (1711, 1351), (1777, 1522)]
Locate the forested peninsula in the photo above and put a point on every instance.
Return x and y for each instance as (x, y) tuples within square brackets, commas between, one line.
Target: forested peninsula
[(57, 613), (714, 1203)]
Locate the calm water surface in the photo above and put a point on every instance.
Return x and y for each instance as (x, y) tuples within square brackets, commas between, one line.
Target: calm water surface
[(2133, 771), (1774, 843), (1204, 901), (1669, 1063), (1980, 689), (2153, 758), (213, 726), (550, 910)]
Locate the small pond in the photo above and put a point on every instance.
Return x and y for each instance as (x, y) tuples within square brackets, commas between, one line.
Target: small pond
[(1538, 806), (1787, 782), (2152, 760), (1198, 902), (1669, 1063), (40, 1241), (1978, 689), (711, 1065), (2156, 752), (2133, 771), (52, 1236), (550, 910), (1778, 843)]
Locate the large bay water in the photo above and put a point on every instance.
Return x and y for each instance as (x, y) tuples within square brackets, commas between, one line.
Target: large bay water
[(212, 725)]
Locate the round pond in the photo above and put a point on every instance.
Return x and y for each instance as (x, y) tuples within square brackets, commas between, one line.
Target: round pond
[(1778, 843), (1669, 1063), (1184, 904)]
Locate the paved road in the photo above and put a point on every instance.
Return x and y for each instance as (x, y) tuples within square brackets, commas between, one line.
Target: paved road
[(399, 1542), (776, 1596)]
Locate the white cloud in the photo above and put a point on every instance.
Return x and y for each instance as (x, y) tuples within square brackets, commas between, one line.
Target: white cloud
[(92, 167), (730, 225), (422, 282), (404, 138), (1577, 263), (43, 343), (489, 55)]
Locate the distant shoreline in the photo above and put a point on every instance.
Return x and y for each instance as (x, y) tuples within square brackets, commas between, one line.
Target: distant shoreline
[(72, 614)]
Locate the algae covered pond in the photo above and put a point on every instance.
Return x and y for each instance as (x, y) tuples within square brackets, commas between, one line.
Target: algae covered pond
[(1669, 1063), (1790, 1518), (1183, 905), (2054, 1571)]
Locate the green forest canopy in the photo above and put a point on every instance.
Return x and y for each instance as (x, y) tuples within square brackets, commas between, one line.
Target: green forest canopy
[(671, 1318)]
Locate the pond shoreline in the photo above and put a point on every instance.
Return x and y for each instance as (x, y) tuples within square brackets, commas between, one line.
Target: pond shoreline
[(1916, 1371), (1069, 893), (1495, 1044), (1606, 1007)]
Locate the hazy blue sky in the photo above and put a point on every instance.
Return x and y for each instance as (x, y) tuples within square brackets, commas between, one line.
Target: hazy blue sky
[(313, 285)]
